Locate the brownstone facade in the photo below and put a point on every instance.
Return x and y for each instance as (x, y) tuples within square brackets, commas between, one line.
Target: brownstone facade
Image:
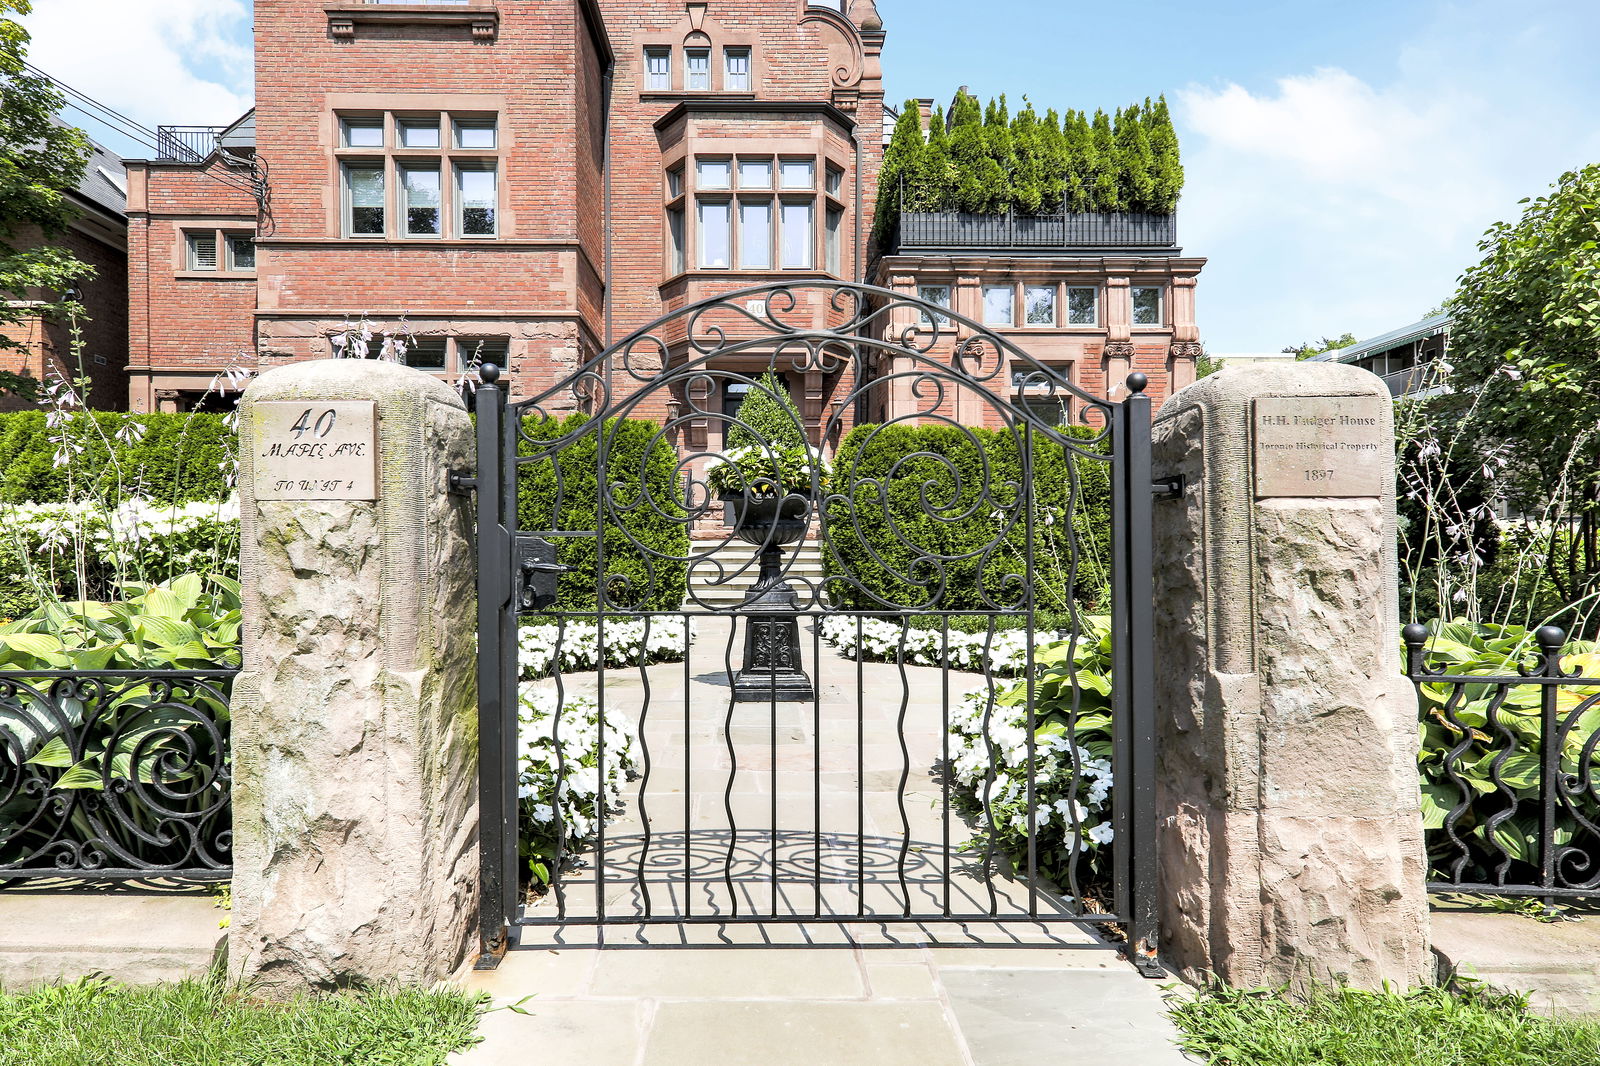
[(529, 181)]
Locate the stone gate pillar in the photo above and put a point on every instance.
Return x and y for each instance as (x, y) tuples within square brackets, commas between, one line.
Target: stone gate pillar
[(354, 720), (1291, 828)]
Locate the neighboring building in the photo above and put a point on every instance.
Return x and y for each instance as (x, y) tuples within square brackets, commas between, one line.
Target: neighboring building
[(528, 181), (1405, 358), (99, 237)]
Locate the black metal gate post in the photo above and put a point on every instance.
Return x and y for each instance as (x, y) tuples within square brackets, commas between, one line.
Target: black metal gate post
[(1133, 675), (497, 667)]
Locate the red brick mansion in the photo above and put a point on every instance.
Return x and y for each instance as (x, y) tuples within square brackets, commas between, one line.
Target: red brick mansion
[(526, 181)]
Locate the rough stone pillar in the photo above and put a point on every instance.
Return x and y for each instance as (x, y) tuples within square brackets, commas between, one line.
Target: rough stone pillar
[(354, 721), (1291, 828)]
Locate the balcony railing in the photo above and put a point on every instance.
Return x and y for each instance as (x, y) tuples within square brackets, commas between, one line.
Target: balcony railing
[(186, 144), (939, 230), (1412, 379)]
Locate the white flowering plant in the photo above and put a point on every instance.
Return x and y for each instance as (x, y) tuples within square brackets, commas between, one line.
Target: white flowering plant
[(546, 647), (1003, 653), (1070, 760), (768, 470), (564, 788)]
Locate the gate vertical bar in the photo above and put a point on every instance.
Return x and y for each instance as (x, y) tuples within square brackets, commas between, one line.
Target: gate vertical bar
[(1133, 666), (494, 602), (1142, 931)]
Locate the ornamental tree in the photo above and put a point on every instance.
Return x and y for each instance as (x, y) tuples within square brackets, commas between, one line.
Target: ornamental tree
[(1168, 170), (1107, 188), (40, 160), (767, 417)]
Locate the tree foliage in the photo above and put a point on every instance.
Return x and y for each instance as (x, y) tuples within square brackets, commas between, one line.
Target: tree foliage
[(40, 160), (767, 417), (1326, 344), (984, 159), (1525, 347)]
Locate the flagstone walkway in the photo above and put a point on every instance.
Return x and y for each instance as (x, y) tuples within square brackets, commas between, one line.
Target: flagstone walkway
[(804, 841)]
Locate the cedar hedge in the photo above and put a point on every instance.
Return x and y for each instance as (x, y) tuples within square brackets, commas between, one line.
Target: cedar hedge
[(646, 537), (933, 478), (181, 458)]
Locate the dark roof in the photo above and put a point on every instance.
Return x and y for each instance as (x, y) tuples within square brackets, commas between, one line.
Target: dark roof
[(105, 182), (1428, 327)]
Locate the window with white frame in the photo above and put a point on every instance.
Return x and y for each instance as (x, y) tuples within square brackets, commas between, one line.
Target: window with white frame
[(1082, 305), (1146, 306), (1039, 305), (419, 187), (714, 222), (796, 234), (797, 174), (675, 238), (713, 173), (832, 242), (999, 305), (241, 252), (202, 250), (658, 69), (939, 296), (697, 69), (451, 354), (477, 199), (755, 234), (365, 201), (435, 175), (736, 70)]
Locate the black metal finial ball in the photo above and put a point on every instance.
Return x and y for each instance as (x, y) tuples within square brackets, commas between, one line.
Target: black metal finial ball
[(1550, 638), (1137, 382), (1414, 634), (488, 373)]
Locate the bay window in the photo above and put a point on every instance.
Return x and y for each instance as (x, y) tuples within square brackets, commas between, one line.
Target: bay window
[(715, 224), (830, 240), (795, 236), (755, 234)]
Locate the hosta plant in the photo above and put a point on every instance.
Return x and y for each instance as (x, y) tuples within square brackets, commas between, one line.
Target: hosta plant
[(1071, 761), (1482, 751)]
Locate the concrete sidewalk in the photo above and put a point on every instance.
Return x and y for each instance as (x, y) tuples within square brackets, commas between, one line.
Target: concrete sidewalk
[(822, 1005)]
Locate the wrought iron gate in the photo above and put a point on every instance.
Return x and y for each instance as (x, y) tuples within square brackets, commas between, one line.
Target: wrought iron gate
[(980, 770)]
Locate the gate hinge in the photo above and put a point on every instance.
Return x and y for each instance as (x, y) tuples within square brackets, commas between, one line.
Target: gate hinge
[(462, 483), (1168, 488)]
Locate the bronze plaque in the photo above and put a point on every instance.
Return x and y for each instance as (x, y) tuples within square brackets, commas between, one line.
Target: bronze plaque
[(316, 450), (1321, 446)]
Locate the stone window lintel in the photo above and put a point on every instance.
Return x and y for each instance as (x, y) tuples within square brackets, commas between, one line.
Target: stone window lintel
[(484, 19)]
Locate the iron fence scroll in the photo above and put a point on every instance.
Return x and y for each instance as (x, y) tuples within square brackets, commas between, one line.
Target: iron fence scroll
[(115, 775), (1512, 805)]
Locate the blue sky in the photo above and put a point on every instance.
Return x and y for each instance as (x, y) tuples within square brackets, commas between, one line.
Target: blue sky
[(1342, 159)]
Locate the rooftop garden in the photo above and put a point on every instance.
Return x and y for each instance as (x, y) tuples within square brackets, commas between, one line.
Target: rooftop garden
[(984, 160)]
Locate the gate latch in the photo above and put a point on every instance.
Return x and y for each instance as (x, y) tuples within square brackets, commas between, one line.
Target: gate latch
[(536, 573)]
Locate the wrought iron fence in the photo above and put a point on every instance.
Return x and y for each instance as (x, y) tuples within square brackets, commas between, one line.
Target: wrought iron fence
[(961, 229), (1510, 773), (115, 775)]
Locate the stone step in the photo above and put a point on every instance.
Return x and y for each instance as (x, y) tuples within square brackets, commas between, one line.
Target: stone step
[(804, 562)]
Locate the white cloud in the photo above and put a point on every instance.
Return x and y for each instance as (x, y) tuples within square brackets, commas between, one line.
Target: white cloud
[(173, 62), (1328, 203)]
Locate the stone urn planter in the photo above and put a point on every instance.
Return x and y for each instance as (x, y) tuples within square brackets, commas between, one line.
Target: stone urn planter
[(772, 668)]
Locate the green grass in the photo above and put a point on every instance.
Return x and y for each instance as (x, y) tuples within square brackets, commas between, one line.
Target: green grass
[(1464, 1025), (209, 1023)]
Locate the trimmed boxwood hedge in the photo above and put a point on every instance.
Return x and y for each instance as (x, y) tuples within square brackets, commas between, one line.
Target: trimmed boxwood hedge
[(180, 459), (876, 556), (646, 548)]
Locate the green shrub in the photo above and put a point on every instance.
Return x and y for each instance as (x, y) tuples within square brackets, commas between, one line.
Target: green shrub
[(646, 539), (1500, 761), (178, 458), (928, 518)]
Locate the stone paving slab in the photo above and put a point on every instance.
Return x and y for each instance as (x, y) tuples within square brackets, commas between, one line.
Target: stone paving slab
[(1556, 963), (840, 1005), (137, 938)]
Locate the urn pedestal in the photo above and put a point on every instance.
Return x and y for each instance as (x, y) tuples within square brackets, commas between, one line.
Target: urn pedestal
[(772, 668)]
